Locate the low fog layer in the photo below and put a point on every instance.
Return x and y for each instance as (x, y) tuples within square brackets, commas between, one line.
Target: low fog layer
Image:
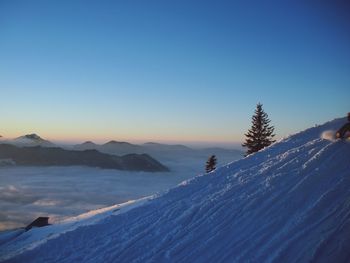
[(59, 192), (28, 192)]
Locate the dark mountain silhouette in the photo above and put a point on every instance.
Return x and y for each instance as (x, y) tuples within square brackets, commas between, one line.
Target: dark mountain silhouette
[(88, 145), (120, 148), (163, 152), (166, 147), (43, 156)]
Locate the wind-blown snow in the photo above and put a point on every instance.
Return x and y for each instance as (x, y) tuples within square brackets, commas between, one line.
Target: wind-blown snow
[(287, 203)]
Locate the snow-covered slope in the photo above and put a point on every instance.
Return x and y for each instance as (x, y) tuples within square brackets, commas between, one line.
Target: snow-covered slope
[(287, 203)]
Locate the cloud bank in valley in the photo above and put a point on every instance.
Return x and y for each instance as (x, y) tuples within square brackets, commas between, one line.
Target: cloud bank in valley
[(59, 192)]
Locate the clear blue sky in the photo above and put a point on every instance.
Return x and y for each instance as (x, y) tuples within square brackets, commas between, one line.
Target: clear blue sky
[(176, 71)]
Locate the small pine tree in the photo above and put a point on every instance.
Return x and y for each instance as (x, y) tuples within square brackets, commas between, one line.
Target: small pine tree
[(261, 133), (211, 164)]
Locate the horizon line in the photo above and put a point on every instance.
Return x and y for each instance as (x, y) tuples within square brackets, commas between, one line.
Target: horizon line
[(100, 141)]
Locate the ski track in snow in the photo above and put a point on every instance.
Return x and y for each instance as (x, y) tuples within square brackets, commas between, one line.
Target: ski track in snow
[(288, 203)]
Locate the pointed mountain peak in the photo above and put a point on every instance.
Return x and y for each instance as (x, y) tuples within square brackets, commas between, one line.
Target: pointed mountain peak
[(31, 140)]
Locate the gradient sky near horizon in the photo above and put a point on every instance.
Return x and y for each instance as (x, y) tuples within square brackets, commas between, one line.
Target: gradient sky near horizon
[(170, 71)]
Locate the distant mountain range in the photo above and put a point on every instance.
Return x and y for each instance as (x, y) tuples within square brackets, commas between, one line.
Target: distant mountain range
[(166, 153), (119, 148), (54, 156), (163, 152)]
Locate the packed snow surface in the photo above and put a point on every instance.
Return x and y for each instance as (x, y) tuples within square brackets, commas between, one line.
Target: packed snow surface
[(287, 203)]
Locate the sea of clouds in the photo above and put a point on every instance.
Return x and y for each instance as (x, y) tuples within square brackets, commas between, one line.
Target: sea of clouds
[(60, 192)]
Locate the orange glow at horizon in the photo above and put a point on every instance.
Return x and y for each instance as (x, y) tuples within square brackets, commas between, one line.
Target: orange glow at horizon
[(135, 137)]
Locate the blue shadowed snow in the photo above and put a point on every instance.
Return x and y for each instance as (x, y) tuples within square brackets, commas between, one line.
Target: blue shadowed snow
[(287, 203)]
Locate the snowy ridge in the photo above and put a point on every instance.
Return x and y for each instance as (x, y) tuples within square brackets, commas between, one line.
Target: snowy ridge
[(287, 203), (29, 140)]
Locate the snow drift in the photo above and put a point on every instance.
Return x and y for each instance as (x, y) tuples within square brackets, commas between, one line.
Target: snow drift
[(287, 203)]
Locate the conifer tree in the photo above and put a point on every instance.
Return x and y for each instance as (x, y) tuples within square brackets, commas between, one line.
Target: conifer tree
[(261, 133), (211, 164)]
